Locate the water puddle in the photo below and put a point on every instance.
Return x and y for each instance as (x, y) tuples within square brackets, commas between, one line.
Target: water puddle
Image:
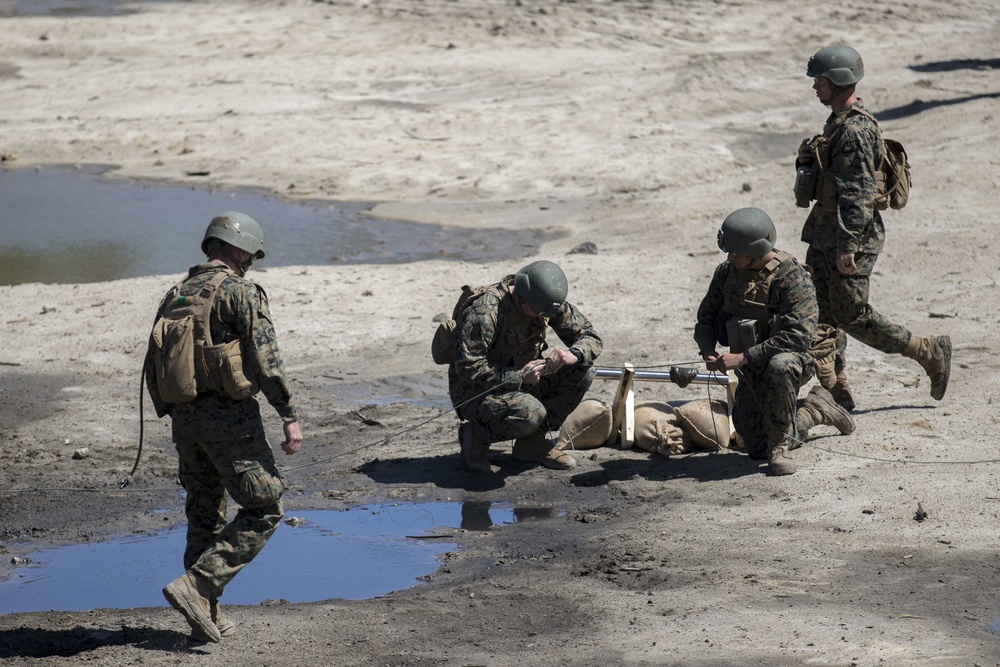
[(64, 225), (70, 8), (354, 554)]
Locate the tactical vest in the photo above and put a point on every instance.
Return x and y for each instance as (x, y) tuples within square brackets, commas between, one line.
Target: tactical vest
[(186, 360), (824, 188), (519, 339), (745, 297)]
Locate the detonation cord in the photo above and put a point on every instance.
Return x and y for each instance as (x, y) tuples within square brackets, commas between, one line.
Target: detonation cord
[(126, 481)]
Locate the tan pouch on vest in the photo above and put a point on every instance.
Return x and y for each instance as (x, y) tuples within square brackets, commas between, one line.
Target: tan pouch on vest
[(226, 370), (173, 358)]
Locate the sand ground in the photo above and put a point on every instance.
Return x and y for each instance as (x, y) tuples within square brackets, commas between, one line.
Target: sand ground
[(636, 126)]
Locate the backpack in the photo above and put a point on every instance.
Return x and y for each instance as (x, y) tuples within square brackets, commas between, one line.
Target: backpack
[(185, 359), (892, 181), (443, 343)]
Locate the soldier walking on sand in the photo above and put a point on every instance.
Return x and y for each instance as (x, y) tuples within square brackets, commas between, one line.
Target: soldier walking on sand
[(844, 229), (762, 304), (218, 429)]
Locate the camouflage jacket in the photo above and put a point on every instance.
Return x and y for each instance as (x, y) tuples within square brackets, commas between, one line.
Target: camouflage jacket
[(240, 312), (855, 153), (494, 339), (790, 298)]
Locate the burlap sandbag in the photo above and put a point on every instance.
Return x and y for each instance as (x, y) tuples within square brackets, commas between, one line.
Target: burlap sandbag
[(705, 422), (657, 429), (587, 427)]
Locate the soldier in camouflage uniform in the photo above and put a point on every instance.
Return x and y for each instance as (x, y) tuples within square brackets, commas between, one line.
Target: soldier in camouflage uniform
[(844, 229), (220, 441), (762, 304), (501, 385)]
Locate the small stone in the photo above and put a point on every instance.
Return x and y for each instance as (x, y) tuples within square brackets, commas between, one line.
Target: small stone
[(48, 309), (586, 248), (294, 521), (747, 187), (81, 453), (441, 317)]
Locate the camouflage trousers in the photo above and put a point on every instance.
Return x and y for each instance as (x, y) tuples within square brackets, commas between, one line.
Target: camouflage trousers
[(843, 303), (508, 415), (766, 408), (245, 469)]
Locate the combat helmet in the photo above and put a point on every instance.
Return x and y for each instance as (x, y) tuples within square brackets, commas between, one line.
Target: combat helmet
[(238, 230), (747, 231), (840, 64), (543, 285)]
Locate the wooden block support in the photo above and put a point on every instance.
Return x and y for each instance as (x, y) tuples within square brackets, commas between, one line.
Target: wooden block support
[(622, 411), (731, 398)]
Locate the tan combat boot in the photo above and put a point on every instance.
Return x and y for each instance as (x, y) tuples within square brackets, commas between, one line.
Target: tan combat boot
[(821, 409), (841, 391), (934, 354), (187, 595), (474, 449), (535, 448), (226, 627), (780, 461)]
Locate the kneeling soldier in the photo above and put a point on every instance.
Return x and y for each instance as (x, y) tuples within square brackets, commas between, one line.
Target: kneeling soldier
[(501, 385), (762, 304)]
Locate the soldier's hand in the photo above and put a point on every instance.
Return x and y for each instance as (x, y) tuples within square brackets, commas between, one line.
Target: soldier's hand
[(845, 263), (726, 362), (293, 437), (533, 371), (557, 359), (805, 152)]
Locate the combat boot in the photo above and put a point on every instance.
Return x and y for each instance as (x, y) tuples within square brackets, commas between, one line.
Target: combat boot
[(820, 408), (779, 458), (474, 449), (934, 354), (187, 595), (841, 391), (535, 448), (226, 627)]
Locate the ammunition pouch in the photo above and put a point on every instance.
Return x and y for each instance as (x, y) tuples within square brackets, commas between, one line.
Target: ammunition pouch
[(742, 334), (805, 185)]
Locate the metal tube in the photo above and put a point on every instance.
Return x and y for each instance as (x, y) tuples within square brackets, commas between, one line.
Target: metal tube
[(706, 377)]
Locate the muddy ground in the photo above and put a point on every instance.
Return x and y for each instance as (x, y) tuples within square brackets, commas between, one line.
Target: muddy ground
[(635, 126)]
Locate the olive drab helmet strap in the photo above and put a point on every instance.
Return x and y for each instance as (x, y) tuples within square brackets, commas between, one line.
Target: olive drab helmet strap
[(543, 285), (747, 231), (842, 65)]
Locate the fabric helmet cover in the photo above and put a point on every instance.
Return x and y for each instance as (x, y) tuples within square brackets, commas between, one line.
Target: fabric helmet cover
[(543, 285), (842, 65), (747, 231), (238, 230)]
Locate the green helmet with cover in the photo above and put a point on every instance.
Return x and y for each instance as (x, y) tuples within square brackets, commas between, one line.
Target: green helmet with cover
[(238, 230), (747, 231), (543, 285), (840, 64)]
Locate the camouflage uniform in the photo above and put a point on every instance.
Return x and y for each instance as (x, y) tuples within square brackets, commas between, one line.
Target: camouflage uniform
[(853, 225), (493, 341), (221, 443), (778, 366)]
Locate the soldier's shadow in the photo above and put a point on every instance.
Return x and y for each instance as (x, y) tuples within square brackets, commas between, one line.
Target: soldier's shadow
[(31, 642), (702, 466), (444, 471)]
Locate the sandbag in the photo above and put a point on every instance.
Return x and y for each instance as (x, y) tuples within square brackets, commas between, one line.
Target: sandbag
[(658, 431), (587, 427), (706, 422)]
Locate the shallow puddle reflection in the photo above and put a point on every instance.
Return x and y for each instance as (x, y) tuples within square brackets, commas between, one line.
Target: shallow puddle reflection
[(315, 555)]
